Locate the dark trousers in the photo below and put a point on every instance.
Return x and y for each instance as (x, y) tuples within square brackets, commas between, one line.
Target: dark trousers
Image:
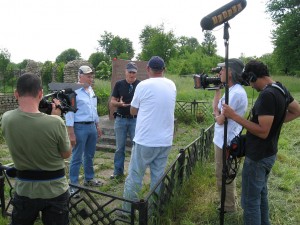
[(54, 211)]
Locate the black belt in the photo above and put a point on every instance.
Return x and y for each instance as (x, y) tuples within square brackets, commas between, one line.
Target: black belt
[(125, 116), (85, 122), (36, 174)]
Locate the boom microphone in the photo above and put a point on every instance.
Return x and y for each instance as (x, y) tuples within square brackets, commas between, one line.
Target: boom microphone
[(222, 14)]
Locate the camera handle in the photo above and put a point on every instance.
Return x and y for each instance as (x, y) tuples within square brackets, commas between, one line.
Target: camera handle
[(224, 169)]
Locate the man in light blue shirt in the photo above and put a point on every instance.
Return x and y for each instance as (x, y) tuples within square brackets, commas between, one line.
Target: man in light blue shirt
[(83, 129)]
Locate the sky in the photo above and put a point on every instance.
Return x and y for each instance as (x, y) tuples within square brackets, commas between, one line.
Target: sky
[(42, 29)]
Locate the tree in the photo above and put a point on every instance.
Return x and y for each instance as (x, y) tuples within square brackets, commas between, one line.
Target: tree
[(286, 37), (59, 67), (4, 60), (46, 72), (6, 77), (114, 46), (156, 42), (187, 44), (209, 43), (97, 57), (103, 70), (68, 55), (23, 64)]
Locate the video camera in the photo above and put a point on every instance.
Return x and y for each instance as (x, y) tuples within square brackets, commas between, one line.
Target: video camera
[(204, 81), (67, 100)]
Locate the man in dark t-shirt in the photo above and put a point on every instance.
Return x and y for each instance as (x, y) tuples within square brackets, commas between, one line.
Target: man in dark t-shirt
[(124, 122), (273, 106)]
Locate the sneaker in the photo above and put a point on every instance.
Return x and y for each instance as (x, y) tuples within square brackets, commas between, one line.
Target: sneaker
[(93, 183), (72, 192)]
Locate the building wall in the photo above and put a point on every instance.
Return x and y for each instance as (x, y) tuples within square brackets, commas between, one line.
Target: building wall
[(7, 102)]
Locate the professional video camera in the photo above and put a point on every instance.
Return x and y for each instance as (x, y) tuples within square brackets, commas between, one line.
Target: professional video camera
[(67, 100), (204, 81)]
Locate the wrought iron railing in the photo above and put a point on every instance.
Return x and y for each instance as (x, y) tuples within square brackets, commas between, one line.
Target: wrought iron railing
[(194, 107), (96, 207)]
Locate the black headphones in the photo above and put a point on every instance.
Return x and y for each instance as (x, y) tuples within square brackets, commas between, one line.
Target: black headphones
[(253, 77)]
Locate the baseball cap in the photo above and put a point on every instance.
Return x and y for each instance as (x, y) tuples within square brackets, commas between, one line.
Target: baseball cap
[(85, 70), (131, 67), (236, 64), (156, 63)]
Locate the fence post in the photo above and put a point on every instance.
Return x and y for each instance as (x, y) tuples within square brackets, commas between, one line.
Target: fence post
[(194, 107), (2, 198), (181, 165), (143, 212)]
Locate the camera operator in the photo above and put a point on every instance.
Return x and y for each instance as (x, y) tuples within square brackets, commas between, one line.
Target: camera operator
[(38, 144), (273, 106), (239, 102)]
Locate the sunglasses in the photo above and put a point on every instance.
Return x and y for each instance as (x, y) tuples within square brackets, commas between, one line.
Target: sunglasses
[(130, 88)]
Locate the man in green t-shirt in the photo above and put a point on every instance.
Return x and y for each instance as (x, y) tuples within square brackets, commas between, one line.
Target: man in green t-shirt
[(38, 144)]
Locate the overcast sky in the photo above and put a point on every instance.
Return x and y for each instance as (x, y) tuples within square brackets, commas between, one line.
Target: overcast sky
[(41, 29)]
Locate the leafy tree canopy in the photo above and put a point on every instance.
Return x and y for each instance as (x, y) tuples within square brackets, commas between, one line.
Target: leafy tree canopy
[(286, 36), (155, 41), (209, 43), (4, 59), (68, 55), (114, 46), (97, 57)]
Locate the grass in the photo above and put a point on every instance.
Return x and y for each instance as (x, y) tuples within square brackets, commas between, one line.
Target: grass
[(199, 193), (197, 201)]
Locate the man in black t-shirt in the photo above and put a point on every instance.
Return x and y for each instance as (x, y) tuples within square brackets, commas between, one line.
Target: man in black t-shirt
[(124, 122), (273, 106)]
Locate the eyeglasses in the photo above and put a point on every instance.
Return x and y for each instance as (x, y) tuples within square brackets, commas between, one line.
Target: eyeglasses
[(130, 88)]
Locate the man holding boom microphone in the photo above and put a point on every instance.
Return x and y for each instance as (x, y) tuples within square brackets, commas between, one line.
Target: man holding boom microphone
[(273, 106), (239, 102)]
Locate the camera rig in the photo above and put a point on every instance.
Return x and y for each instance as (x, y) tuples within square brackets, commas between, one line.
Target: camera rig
[(67, 100), (204, 81), (65, 93)]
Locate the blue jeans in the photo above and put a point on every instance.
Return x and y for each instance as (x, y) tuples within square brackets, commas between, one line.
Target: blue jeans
[(83, 152), (142, 157), (255, 191), (55, 211), (123, 126)]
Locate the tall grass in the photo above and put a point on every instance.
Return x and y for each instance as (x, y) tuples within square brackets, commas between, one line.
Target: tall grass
[(198, 199)]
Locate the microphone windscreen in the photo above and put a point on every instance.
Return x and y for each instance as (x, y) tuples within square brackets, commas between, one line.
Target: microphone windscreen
[(222, 14)]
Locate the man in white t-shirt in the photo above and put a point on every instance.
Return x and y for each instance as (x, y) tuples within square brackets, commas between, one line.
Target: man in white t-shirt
[(154, 104)]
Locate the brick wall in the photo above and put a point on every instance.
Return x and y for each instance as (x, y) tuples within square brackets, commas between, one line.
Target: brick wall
[(7, 102)]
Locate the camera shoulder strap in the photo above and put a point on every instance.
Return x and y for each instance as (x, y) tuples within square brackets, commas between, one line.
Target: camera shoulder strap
[(284, 93)]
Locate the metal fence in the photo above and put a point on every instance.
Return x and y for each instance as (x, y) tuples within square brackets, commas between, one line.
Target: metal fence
[(194, 108), (96, 207)]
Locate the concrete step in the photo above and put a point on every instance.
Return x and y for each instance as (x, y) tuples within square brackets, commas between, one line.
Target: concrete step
[(108, 139), (109, 131), (109, 148)]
